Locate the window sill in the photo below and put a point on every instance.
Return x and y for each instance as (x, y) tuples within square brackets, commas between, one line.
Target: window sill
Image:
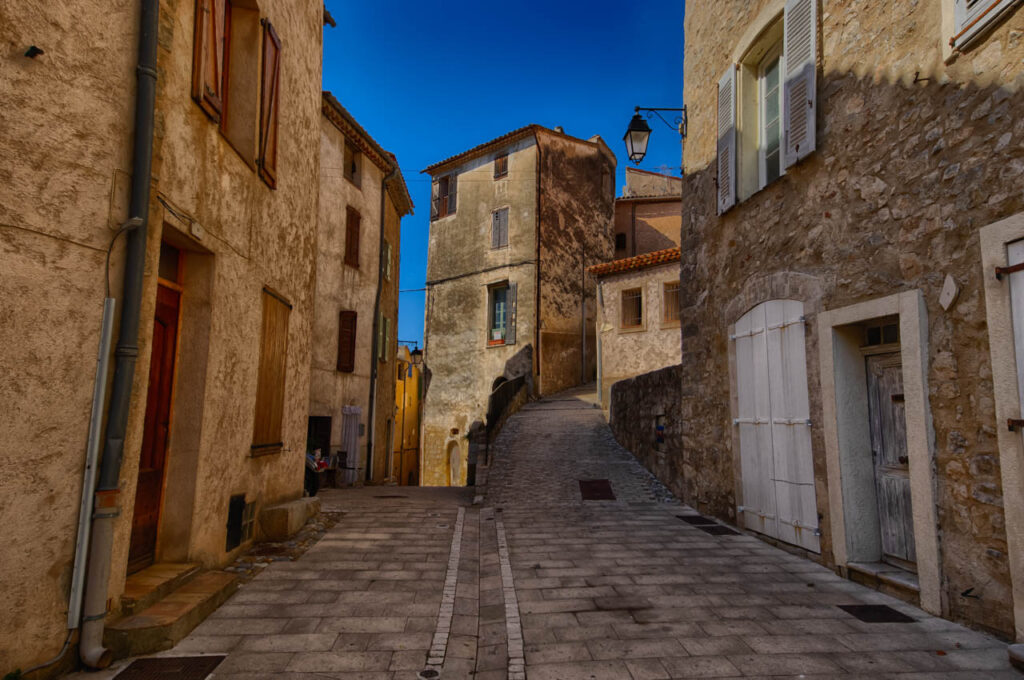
[(632, 329), (501, 176), (357, 185), (259, 450), (671, 324), (496, 343)]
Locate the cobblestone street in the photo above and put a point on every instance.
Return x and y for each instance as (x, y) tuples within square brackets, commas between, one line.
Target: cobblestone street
[(531, 581)]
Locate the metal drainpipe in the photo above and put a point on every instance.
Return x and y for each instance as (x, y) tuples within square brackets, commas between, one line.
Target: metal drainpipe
[(376, 320), (91, 649)]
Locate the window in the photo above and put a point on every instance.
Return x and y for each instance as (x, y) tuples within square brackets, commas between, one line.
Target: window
[(383, 337), (442, 198), (352, 219), (347, 341), (230, 44), (769, 115), (270, 383), (620, 241), (632, 308), (501, 314), (501, 166), (387, 260), (972, 17), (352, 164), (499, 228), (670, 303)]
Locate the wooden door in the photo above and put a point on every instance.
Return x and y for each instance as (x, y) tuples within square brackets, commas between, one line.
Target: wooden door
[(889, 450), (153, 458)]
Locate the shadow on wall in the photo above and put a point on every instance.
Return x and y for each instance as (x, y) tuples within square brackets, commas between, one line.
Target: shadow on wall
[(903, 177)]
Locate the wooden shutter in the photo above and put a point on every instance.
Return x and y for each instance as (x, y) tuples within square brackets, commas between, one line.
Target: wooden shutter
[(270, 94), (434, 199), (270, 383), (799, 98), (452, 184), (347, 341), (510, 315), (352, 219), (727, 140), (970, 18), (499, 228), (208, 60), (754, 423)]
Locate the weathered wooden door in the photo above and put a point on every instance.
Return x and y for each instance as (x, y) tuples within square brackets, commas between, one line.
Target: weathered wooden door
[(153, 458), (889, 450)]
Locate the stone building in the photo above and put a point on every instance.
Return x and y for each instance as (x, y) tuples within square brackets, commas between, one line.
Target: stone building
[(211, 415), (637, 317), (648, 213), (408, 415), (849, 382), (352, 385), (515, 222)]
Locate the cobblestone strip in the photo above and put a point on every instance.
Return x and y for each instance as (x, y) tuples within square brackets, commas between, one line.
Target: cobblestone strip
[(514, 628), (439, 645)]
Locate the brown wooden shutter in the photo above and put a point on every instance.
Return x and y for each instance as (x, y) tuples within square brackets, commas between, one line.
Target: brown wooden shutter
[(269, 104), (270, 383), (347, 341), (453, 182), (208, 56), (352, 219)]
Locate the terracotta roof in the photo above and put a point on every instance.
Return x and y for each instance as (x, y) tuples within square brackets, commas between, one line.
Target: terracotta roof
[(637, 262)]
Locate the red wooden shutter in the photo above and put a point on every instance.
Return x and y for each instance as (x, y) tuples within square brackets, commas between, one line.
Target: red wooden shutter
[(269, 104), (347, 341), (208, 56), (270, 383), (352, 237)]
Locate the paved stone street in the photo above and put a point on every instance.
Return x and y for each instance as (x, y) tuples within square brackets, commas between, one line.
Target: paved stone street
[(533, 582)]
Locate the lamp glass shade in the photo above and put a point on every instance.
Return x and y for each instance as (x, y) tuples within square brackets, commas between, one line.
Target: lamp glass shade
[(636, 138)]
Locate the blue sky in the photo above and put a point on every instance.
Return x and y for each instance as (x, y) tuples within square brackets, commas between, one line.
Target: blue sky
[(429, 80)]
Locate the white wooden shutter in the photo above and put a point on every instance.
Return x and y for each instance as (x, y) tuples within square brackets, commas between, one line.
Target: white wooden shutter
[(727, 140), (799, 100), (971, 16)]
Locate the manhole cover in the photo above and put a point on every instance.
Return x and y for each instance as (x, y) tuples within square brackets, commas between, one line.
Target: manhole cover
[(717, 530), (875, 613), (390, 496), (696, 519), (165, 668), (596, 490)]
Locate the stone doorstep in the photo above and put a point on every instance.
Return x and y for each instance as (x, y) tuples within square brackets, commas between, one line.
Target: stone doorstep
[(145, 587), (886, 579), (164, 623)]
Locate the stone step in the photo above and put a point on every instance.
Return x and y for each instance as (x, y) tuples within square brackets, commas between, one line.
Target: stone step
[(145, 587), (164, 623)]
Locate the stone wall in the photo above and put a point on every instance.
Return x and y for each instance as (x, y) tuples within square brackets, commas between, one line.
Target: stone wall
[(913, 156), (636, 404)]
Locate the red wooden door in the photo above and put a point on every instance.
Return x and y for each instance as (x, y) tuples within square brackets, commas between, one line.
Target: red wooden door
[(153, 458)]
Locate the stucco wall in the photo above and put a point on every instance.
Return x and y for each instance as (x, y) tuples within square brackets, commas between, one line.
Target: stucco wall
[(460, 266), (70, 128), (903, 177), (576, 204), (384, 394), (627, 352)]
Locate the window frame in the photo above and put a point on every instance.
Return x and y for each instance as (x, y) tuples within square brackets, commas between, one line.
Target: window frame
[(775, 52), (667, 322), (444, 209), (639, 326), (501, 166), (491, 291)]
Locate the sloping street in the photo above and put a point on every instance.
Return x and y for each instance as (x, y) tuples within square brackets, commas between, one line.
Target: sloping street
[(531, 581)]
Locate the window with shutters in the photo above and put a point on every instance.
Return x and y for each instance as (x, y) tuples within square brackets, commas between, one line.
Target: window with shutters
[(501, 313), (352, 219), (270, 383), (670, 302), (353, 161), (443, 196), (347, 341), (501, 166), (499, 228), (632, 309), (971, 18)]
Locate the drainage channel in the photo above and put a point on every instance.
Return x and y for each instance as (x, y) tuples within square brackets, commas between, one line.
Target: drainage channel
[(513, 626), (439, 645)]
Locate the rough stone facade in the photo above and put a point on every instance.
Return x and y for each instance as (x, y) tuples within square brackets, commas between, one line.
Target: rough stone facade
[(558, 191), (69, 124), (644, 417), (913, 156)]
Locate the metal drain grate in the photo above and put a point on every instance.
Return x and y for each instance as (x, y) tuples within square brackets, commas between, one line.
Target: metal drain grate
[(170, 667), (717, 530), (596, 490), (875, 613), (696, 519)]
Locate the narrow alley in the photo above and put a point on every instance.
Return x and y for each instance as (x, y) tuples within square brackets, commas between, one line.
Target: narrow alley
[(528, 580)]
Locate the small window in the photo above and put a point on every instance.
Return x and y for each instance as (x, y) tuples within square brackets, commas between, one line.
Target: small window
[(352, 164), (270, 383), (632, 308), (770, 116), (352, 219), (499, 228), (501, 166), (881, 333), (671, 302), (620, 241), (497, 314), (387, 260), (443, 196)]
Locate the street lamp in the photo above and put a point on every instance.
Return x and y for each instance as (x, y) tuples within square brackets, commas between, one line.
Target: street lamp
[(639, 132)]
